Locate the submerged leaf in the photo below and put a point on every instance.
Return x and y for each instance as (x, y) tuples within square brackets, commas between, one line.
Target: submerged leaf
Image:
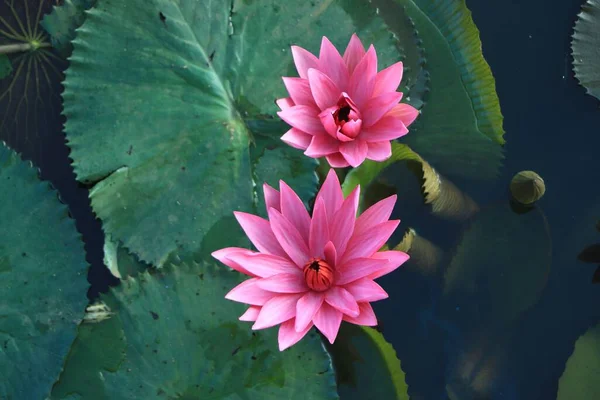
[(5, 66), (590, 254), (43, 281), (580, 380), (183, 340), (62, 22), (586, 47), (366, 365), (425, 255)]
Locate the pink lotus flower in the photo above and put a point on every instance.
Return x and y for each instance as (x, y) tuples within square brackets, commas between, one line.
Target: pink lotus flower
[(341, 107), (317, 270)]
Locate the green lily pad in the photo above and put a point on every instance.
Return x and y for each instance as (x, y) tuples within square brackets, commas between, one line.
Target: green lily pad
[(62, 22), (500, 266), (183, 340), (460, 129), (586, 47), (119, 261), (168, 150), (5, 66), (580, 381), (367, 366), (43, 281)]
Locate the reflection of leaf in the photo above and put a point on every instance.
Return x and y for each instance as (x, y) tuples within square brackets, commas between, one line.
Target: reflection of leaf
[(586, 45), (5, 66), (446, 200), (62, 22), (42, 281), (460, 128), (580, 379), (501, 264), (183, 340), (425, 255), (366, 365), (168, 149)]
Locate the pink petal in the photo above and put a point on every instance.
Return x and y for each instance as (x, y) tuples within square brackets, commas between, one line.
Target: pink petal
[(354, 53), (330, 254), (222, 255), (260, 234), (342, 300), (322, 145), (264, 265), (294, 210), (324, 90), (379, 151), (251, 314), (405, 112), (306, 308), (299, 90), (303, 118), (288, 336), (278, 309), (328, 321), (366, 317), (248, 292), (365, 289), (304, 60), (285, 283), (284, 103), (289, 238), (388, 79), (342, 224), (357, 268), (395, 259), (337, 160), (342, 137), (375, 215), (297, 139), (271, 197), (362, 81), (319, 229), (387, 128), (352, 128), (354, 152), (331, 193), (326, 117), (369, 240), (376, 107), (332, 64)]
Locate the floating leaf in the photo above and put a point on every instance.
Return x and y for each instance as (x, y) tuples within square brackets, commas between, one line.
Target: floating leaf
[(168, 150), (183, 340), (5, 66), (586, 47), (501, 265), (446, 200), (366, 365), (43, 281), (62, 22), (119, 262), (460, 128), (580, 379)]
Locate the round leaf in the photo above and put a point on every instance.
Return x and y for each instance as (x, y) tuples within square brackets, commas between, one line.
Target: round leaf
[(586, 42), (43, 281), (183, 340), (580, 379), (62, 22)]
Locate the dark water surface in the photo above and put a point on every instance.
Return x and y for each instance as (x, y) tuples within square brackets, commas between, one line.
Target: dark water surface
[(552, 128)]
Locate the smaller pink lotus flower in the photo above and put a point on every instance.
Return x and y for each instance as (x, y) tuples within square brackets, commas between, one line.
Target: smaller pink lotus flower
[(341, 108), (315, 270)]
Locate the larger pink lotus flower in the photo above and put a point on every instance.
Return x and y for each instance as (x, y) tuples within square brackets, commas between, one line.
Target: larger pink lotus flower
[(317, 270), (341, 107)]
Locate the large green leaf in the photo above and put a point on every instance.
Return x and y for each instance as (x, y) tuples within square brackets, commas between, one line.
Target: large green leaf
[(580, 379), (460, 128), (500, 266), (183, 340), (586, 47), (366, 365), (43, 281), (168, 149), (62, 22)]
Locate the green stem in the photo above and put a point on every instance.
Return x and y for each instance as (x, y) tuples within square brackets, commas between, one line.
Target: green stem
[(21, 47)]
